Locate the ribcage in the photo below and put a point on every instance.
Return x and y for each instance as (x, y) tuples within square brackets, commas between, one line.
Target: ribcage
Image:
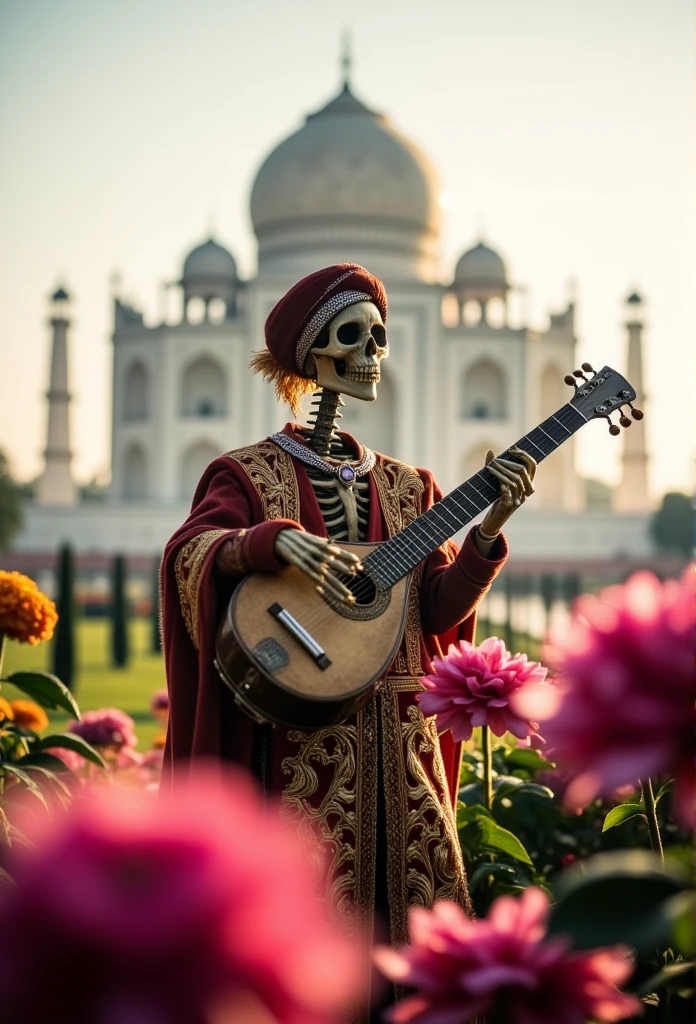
[(345, 511)]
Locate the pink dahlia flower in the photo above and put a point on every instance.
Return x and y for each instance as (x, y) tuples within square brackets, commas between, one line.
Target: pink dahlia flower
[(107, 729), (166, 911), (502, 966), (473, 686), (624, 708)]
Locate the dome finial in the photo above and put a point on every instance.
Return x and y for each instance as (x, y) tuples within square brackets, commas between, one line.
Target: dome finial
[(346, 58)]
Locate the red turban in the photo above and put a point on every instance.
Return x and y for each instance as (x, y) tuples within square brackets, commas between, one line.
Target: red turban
[(295, 321)]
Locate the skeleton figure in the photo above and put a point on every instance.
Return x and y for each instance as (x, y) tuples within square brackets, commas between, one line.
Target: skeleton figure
[(345, 359)]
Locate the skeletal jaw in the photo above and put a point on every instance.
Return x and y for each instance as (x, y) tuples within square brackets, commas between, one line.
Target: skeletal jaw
[(368, 374)]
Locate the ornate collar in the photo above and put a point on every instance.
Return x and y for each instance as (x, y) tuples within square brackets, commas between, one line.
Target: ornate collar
[(346, 472)]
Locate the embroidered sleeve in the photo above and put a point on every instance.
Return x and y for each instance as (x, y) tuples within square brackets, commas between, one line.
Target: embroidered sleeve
[(188, 569)]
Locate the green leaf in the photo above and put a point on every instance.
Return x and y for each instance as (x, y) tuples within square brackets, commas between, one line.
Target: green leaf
[(45, 760), (666, 976), (50, 777), (496, 838), (511, 786), (466, 814), (8, 768), (618, 898), (47, 690), (529, 759), (624, 812), (483, 871), (664, 788), (70, 741), (683, 910)]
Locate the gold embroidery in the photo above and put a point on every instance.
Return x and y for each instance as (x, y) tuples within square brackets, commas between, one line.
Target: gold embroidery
[(424, 860), (333, 818), (187, 569), (400, 492), (272, 473), (231, 552)]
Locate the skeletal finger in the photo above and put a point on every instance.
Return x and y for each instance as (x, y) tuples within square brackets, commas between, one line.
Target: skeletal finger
[(520, 472), (347, 565), (335, 587), (490, 455), (529, 460), (504, 475)]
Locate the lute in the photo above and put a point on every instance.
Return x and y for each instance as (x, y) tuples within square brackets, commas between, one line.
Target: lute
[(296, 658)]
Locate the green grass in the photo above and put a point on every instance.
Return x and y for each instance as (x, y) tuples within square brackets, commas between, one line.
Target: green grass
[(98, 684)]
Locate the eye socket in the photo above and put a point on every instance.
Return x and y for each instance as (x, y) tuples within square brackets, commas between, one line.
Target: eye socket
[(348, 334), (380, 335)]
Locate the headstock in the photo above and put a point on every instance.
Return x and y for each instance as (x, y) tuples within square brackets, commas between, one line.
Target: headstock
[(601, 394)]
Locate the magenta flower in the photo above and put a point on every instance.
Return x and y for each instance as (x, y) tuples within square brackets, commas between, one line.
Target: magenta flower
[(502, 966), (159, 705), (473, 686), (107, 729), (167, 910), (624, 709)]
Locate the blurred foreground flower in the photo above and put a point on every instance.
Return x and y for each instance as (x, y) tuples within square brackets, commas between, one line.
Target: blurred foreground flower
[(625, 706), (26, 614), (27, 714), (502, 966), (473, 686), (189, 910), (107, 729), (6, 711)]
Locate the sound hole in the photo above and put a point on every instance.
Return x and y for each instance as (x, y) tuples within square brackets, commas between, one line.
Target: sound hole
[(370, 602)]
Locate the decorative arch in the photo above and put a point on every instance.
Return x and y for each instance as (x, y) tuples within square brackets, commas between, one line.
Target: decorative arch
[(194, 462), (474, 459), (136, 392), (204, 388), (135, 473), (484, 392), (554, 393)]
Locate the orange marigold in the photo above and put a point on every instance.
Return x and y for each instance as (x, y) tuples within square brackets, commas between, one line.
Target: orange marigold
[(26, 614), (28, 715), (6, 710), (158, 740)]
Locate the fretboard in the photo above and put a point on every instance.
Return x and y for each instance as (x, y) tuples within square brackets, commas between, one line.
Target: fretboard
[(398, 556)]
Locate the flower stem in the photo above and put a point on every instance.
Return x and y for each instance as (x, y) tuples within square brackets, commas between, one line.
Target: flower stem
[(487, 767), (650, 808), (2, 650)]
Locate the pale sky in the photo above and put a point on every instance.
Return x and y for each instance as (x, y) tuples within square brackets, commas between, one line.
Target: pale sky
[(561, 129)]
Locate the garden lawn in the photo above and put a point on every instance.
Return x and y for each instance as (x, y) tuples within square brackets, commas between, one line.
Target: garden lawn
[(97, 683)]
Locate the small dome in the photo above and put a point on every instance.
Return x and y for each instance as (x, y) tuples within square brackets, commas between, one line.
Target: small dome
[(481, 267), (60, 295), (634, 299), (209, 263), (347, 186)]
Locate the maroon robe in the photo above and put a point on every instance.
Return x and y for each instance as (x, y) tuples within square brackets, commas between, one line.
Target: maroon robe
[(329, 780)]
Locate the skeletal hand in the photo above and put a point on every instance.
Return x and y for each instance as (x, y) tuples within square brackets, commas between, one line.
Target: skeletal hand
[(319, 559), (516, 484)]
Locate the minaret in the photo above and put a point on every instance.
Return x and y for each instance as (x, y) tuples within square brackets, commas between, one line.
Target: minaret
[(56, 486), (632, 493)]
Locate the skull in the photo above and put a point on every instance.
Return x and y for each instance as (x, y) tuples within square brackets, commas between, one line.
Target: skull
[(347, 359)]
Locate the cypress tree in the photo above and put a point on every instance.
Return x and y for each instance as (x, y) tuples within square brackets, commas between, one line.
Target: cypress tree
[(508, 631), (547, 587), (63, 653), (119, 614), (156, 636)]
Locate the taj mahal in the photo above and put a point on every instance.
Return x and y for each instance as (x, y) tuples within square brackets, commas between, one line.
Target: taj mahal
[(463, 375)]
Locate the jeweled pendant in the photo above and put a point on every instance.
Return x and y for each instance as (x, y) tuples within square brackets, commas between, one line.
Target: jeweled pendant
[(346, 475)]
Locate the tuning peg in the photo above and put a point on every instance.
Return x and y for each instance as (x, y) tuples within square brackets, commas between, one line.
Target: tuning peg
[(579, 373), (613, 428), (636, 414), (570, 380), (588, 368), (624, 420)]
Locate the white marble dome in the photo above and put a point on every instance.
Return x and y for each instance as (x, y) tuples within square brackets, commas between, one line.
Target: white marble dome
[(207, 263), (480, 267), (348, 186)]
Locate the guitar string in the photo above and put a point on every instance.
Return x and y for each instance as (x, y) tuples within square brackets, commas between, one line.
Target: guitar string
[(391, 558)]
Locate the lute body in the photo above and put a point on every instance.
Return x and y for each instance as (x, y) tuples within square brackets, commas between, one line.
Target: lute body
[(294, 657), (275, 678)]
